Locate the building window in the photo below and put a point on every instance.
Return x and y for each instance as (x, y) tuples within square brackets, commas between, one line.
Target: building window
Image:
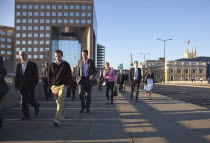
[(53, 21), (36, 28), (9, 46), (83, 7), (47, 27), (29, 20), (194, 77), (42, 7), (29, 27), (17, 57), (65, 13), (3, 33), (47, 35), (36, 7), (9, 40), (23, 42), (71, 21), (41, 42), (71, 7), (89, 14), (83, 14), (83, 21), (193, 71), (2, 46), (24, 14), (48, 6), (47, 13), (200, 71), (66, 7), (77, 21), (41, 49), (18, 14), (89, 21), (17, 49), (41, 56), (186, 71), (47, 42), (30, 14), (35, 42), (41, 27), (41, 20), (36, 14), (65, 21), (54, 7), (29, 49), (47, 49), (77, 7), (35, 35), (3, 39), (30, 7), (29, 42), (47, 20), (59, 20), (29, 56), (71, 14), (179, 71), (41, 13), (23, 34), (35, 56), (18, 6), (29, 34), (23, 27), (17, 42), (54, 14), (77, 14), (60, 14), (187, 78), (89, 7), (36, 21), (60, 7), (23, 20), (17, 34), (17, 20), (24, 7), (2, 52)]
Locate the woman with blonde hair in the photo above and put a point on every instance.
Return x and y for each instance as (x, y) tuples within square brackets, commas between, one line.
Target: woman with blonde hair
[(148, 83)]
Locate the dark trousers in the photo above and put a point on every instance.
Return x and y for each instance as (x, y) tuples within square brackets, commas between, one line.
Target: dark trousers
[(47, 90), (121, 86), (100, 87), (135, 87), (109, 86), (1, 110), (27, 96), (85, 93), (71, 91)]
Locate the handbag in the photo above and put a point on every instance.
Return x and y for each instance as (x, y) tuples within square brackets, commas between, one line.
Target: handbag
[(115, 93), (3, 87)]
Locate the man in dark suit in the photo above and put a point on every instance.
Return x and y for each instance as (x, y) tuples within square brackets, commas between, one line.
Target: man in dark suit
[(135, 78), (25, 81), (120, 80), (47, 90), (86, 72)]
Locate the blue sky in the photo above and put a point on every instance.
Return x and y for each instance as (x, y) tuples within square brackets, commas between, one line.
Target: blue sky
[(132, 26)]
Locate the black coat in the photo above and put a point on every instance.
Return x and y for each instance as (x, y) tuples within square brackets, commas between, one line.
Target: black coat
[(30, 78), (122, 79), (132, 72)]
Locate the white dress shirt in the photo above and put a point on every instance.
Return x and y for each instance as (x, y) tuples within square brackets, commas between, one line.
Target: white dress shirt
[(85, 68), (24, 65), (136, 73)]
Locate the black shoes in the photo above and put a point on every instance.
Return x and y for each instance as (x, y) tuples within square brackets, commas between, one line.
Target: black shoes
[(37, 110), (88, 111), (131, 97), (25, 118), (82, 110), (72, 98)]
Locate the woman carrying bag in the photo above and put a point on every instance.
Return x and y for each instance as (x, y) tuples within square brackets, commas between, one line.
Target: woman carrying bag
[(110, 82), (3, 88), (148, 83)]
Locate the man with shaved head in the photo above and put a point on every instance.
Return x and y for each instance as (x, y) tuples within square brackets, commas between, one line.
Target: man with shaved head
[(25, 81)]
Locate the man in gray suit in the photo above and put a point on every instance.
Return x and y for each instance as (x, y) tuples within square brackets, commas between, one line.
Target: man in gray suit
[(86, 72)]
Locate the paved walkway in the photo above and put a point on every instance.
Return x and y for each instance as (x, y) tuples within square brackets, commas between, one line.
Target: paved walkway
[(161, 120), (188, 85)]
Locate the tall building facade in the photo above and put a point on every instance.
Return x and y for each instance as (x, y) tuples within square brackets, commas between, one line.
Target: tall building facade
[(43, 26), (100, 56), (7, 46)]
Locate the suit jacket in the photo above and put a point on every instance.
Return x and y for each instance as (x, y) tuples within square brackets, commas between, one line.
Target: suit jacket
[(132, 72), (122, 79), (44, 75), (30, 78), (91, 70)]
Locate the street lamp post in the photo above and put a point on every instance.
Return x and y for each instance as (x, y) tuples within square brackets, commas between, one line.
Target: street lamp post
[(164, 40), (144, 62)]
